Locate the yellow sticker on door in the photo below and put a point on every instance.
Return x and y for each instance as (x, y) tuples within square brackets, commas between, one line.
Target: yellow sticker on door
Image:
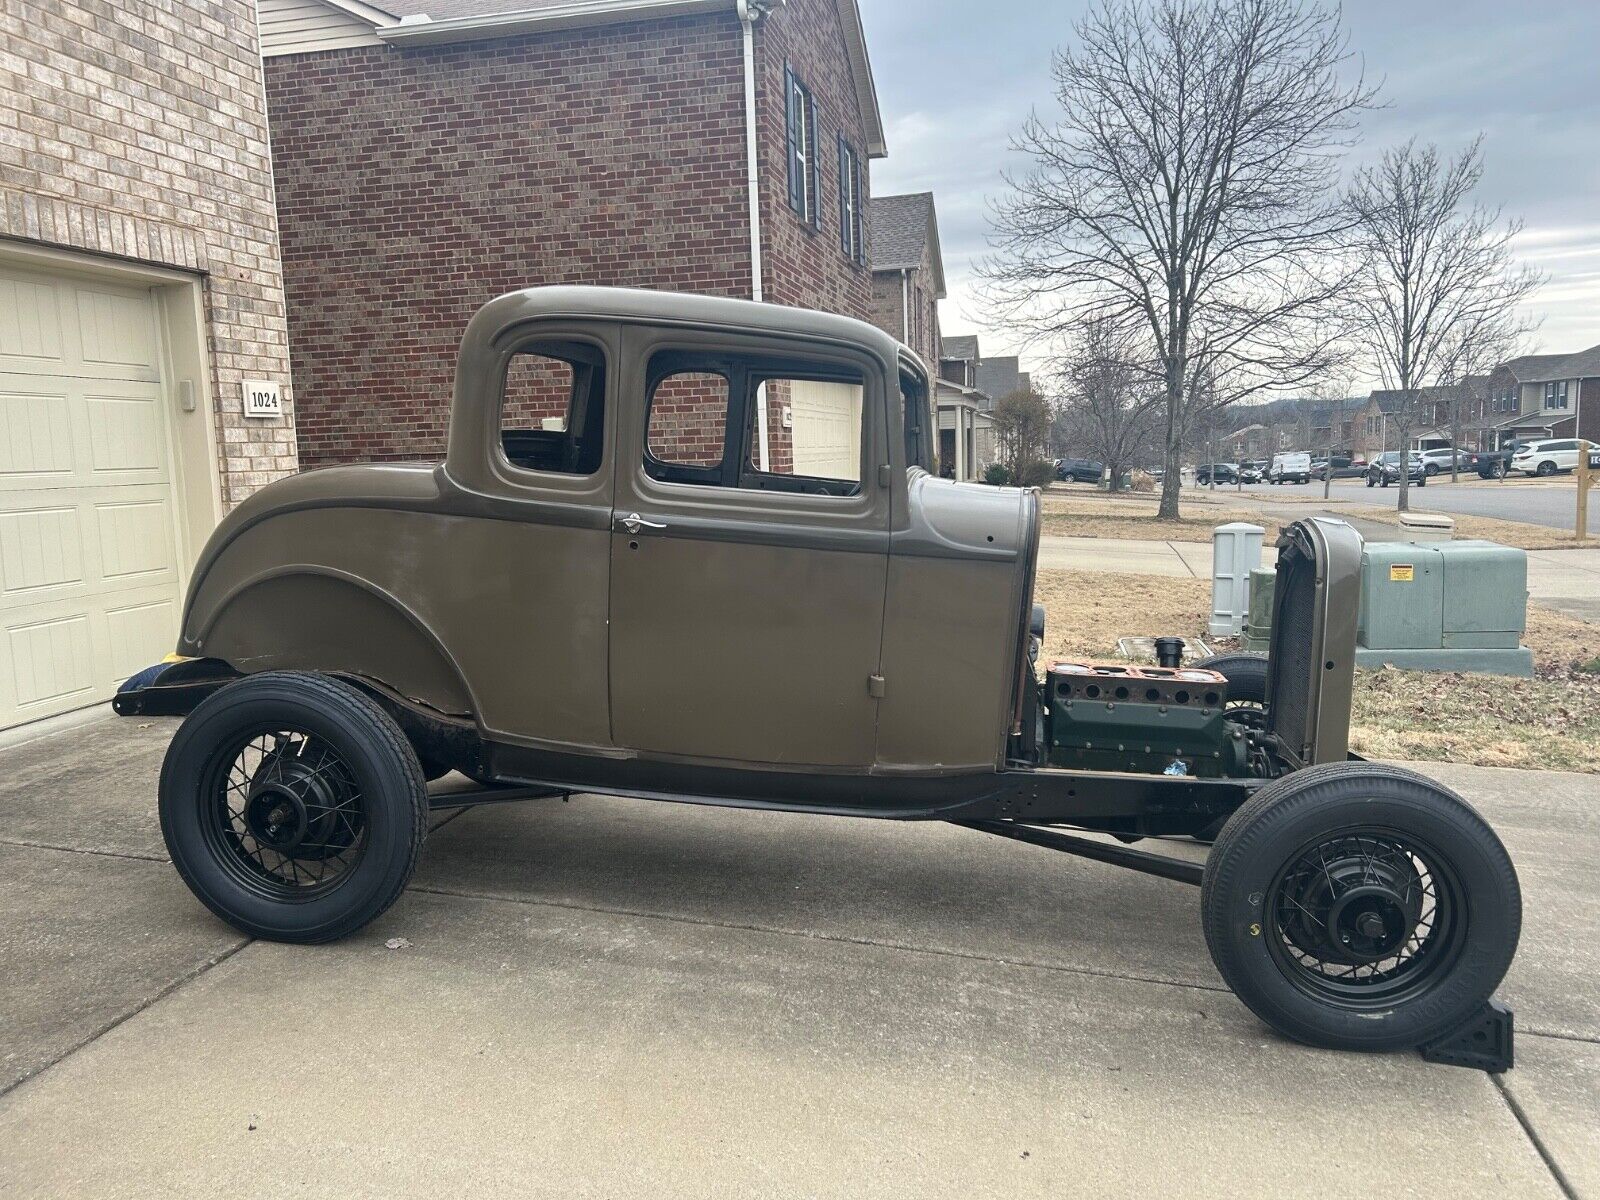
[(1401, 573)]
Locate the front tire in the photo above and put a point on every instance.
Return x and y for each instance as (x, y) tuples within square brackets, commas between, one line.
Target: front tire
[(1360, 907), (293, 806)]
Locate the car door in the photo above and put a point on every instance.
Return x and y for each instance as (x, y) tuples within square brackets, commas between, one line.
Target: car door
[(746, 598)]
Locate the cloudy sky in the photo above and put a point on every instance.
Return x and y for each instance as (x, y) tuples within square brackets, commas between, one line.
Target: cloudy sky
[(956, 77)]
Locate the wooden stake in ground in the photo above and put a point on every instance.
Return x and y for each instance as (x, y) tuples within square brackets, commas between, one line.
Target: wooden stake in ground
[(1588, 459)]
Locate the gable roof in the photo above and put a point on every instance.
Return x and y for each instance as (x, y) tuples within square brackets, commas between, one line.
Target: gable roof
[(903, 228), (434, 22), (998, 377), (959, 346), (1528, 367)]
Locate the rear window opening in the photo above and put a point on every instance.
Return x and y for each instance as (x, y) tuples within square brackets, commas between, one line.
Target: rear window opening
[(552, 408)]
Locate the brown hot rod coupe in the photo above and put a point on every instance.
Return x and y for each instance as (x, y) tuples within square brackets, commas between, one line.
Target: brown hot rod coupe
[(692, 549)]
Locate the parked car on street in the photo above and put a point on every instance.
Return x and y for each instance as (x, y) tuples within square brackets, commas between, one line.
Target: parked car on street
[(1205, 473), (1385, 469), (1340, 466), (616, 582), (1253, 470), (1293, 467), (1439, 459), (1079, 470), (1548, 456)]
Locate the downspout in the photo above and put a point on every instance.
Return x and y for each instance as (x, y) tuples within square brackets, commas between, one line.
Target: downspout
[(749, 14), (905, 306)]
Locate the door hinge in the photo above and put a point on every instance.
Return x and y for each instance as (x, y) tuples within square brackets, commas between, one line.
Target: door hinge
[(885, 477), (875, 686)]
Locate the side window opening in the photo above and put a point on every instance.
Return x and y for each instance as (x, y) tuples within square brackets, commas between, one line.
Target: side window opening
[(552, 408), (703, 425)]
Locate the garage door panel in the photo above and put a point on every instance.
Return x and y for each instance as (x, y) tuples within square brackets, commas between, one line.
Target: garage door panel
[(51, 661), (135, 538), (35, 433), (116, 329), (30, 323), (125, 433), (39, 548)]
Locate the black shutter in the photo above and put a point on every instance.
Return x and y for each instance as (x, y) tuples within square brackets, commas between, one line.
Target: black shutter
[(844, 192), (811, 162), (792, 141)]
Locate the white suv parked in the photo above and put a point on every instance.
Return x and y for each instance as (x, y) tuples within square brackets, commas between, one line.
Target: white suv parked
[(1548, 456)]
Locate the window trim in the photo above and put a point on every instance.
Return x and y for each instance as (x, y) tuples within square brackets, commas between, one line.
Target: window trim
[(590, 366), (852, 227), (800, 143)]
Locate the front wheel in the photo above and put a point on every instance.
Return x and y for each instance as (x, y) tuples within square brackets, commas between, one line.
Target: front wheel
[(1371, 482), (293, 806), (1360, 907)]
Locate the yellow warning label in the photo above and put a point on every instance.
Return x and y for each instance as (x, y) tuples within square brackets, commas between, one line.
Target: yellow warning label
[(1401, 573)]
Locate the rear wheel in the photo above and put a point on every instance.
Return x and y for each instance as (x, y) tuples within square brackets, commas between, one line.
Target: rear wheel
[(293, 806), (1546, 469), (1360, 907)]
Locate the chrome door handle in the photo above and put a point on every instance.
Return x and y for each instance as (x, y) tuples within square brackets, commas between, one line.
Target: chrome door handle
[(633, 522)]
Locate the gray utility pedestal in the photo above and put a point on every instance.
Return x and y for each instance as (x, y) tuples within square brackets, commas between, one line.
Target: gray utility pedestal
[(1444, 606)]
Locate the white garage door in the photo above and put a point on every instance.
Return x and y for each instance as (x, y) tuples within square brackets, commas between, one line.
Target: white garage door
[(827, 428), (88, 540)]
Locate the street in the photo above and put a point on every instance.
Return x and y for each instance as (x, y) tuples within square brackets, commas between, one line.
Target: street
[(1551, 504)]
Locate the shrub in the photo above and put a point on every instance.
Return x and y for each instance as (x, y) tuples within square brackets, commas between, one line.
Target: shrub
[(996, 475), (1039, 473)]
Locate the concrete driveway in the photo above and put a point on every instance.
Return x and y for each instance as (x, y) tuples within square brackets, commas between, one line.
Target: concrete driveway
[(614, 998)]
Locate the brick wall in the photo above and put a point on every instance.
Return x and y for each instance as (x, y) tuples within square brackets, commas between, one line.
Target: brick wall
[(805, 266), (414, 186), (138, 129)]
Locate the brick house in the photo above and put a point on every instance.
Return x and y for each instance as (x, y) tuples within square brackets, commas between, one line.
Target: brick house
[(991, 378), (907, 285), (428, 163), (140, 301), (1546, 396)]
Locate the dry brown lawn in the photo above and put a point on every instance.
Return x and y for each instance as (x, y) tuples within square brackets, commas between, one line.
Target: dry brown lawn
[(1122, 516), (1489, 529), (1551, 721)]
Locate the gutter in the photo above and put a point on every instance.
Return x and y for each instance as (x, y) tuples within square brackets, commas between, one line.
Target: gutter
[(421, 31), (751, 11)]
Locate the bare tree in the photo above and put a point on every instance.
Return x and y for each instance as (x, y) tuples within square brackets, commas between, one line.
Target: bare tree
[(1188, 192), (1435, 271), (1479, 346), (1108, 398)]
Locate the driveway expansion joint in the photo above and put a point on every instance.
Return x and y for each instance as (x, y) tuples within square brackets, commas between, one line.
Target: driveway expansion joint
[(1543, 1151), (129, 854)]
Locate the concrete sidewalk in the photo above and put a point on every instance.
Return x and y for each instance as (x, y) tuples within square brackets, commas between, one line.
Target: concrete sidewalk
[(1567, 581), (618, 998)]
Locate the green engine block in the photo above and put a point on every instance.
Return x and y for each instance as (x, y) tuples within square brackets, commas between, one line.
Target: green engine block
[(1145, 720)]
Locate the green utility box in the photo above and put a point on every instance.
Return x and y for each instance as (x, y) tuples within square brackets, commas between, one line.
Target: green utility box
[(1257, 633), (1444, 606)]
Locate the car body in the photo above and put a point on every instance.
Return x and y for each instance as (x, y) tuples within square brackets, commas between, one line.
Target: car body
[(1442, 458), (1080, 470), (581, 599), (1253, 470), (1339, 466), (1207, 473), (1291, 467), (1385, 468), (1548, 456)]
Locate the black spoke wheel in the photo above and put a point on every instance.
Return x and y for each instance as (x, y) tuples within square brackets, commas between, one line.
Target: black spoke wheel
[(293, 806), (1365, 917), (287, 816), (1360, 906)]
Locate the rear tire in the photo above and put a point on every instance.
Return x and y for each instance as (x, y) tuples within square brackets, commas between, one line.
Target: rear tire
[(1360, 907), (293, 806), (1546, 469)]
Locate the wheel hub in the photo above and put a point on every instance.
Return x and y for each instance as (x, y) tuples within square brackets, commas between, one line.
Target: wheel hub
[(292, 810), (1354, 908)]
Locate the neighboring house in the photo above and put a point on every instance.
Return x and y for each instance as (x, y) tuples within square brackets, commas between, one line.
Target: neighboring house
[(1546, 396), (140, 296), (907, 285), (431, 154), (992, 379)]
